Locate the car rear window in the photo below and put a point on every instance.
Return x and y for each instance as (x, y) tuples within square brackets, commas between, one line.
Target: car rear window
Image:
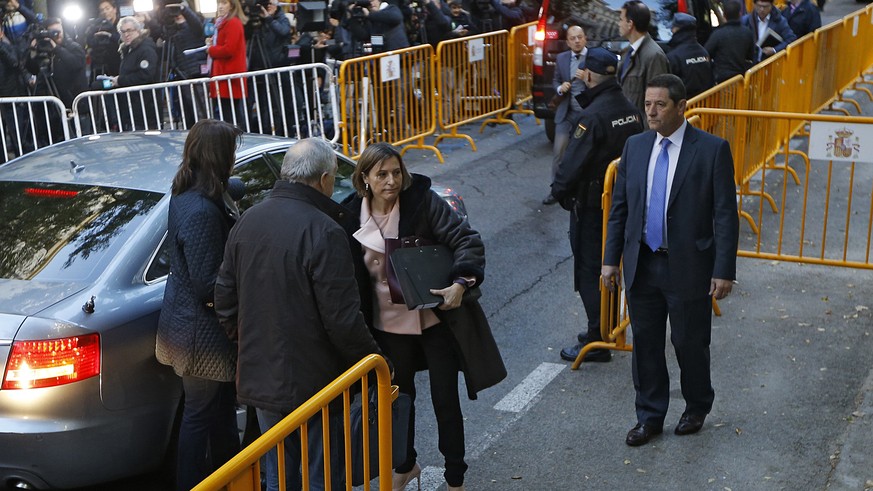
[(65, 231)]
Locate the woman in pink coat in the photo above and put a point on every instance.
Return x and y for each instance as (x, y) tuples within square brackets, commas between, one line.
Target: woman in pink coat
[(227, 55)]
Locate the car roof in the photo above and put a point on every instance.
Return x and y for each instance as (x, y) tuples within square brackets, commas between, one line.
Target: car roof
[(144, 160)]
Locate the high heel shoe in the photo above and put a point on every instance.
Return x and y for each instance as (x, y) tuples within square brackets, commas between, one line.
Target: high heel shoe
[(399, 481)]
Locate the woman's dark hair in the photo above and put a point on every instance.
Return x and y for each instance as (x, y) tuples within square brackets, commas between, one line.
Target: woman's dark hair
[(372, 156), (208, 157)]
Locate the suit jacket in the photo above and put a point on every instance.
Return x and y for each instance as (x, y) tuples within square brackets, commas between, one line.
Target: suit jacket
[(646, 63), (779, 25), (702, 220), (805, 19), (562, 74)]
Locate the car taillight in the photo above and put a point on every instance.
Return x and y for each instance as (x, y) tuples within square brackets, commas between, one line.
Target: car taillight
[(50, 193), (52, 362)]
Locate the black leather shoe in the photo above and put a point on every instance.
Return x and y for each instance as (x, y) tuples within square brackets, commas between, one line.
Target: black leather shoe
[(641, 434), (595, 355), (582, 337), (689, 423), (549, 200)]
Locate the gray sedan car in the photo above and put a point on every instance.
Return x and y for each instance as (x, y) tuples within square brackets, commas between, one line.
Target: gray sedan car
[(82, 271)]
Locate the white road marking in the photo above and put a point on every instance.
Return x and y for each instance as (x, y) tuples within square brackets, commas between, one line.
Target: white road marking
[(523, 393)]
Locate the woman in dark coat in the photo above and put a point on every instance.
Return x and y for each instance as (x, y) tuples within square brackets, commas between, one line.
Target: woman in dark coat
[(390, 204), (189, 337)]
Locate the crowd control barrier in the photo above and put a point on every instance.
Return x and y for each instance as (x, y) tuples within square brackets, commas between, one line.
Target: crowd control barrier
[(826, 219), (297, 101), (521, 44), (28, 123), (388, 97), (474, 74), (242, 473)]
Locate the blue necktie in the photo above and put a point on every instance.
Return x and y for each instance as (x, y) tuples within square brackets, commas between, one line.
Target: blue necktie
[(625, 64), (658, 199)]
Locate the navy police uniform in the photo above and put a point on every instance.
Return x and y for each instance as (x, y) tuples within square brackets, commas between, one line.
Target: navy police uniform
[(688, 59), (607, 120)]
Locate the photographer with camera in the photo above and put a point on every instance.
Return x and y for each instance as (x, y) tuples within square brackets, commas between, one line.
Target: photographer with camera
[(102, 41), (57, 66), (183, 30), (437, 23), (268, 34), (462, 22), (379, 24)]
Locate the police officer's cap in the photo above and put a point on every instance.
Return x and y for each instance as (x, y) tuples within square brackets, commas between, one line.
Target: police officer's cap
[(600, 60), (682, 20)]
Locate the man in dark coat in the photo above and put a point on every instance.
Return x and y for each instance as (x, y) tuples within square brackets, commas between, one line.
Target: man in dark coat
[(58, 64), (607, 120), (688, 59), (386, 20), (769, 28), (139, 66), (731, 46), (288, 296), (644, 59), (803, 17)]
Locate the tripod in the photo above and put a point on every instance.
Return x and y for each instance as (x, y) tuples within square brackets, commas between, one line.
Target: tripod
[(46, 132)]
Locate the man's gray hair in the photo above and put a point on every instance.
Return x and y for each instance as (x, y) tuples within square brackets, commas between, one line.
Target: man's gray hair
[(307, 160), (130, 20)]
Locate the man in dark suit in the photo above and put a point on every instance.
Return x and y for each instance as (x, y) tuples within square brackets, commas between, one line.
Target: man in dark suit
[(674, 219), (643, 59), (567, 82)]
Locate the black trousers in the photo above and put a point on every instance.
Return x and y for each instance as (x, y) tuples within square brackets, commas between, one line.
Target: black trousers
[(586, 238), (436, 345), (651, 300)]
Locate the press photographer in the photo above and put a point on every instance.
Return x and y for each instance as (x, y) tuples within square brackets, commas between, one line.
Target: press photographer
[(102, 41), (268, 32), (182, 29), (57, 66), (376, 24)]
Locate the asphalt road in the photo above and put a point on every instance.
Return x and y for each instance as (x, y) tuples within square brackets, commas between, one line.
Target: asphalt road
[(791, 355)]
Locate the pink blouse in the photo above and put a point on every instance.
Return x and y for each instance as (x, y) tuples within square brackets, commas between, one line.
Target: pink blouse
[(387, 315)]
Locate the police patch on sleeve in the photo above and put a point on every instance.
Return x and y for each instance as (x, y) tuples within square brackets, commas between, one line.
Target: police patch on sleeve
[(144, 64), (580, 130)]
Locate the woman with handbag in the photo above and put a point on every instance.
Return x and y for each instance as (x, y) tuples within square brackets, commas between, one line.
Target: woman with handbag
[(392, 204)]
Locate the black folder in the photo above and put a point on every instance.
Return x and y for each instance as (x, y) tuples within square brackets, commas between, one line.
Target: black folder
[(420, 269)]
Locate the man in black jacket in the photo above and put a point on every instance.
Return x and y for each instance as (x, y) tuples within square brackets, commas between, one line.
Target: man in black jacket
[(608, 118), (11, 85), (731, 46), (186, 33), (288, 296), (688, 60), (386, 26), (102, 40), (57, 64), (139, 66)]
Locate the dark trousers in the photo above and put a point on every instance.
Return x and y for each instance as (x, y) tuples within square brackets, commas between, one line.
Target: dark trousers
[(651, 300), (293, 477), (208, 436), (586, 242), (436, 345)]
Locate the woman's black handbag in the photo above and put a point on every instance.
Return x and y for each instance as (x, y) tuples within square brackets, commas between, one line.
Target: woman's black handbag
[(400, 410)]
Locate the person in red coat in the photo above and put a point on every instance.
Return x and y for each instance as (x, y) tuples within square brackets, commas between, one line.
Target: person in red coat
[(227, 55)]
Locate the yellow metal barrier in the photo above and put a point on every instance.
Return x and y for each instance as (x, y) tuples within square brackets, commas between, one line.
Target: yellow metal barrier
[(827, 220), (473, 76), (614, 319), (521, 43), (242, 473), (388, 97)]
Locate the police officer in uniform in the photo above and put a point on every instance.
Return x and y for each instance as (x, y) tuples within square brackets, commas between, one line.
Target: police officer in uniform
[(608, 118), (688, 59)]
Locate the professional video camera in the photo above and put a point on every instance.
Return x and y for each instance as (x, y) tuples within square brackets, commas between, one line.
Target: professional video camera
[(252, 9), (166, 12), (44, 47)]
